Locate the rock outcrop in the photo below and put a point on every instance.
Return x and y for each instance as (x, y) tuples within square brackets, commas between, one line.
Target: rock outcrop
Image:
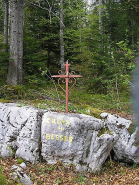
[(77, 139), (33, 134), (126, 148), (19, 132)]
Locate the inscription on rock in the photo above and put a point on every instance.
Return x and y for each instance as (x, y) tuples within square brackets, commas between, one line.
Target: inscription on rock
[(55, 127), (69, 138), (73, 139)]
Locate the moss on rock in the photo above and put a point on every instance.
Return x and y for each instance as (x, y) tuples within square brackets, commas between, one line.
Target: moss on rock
[(104, 130), (92, 111), (4, 101)]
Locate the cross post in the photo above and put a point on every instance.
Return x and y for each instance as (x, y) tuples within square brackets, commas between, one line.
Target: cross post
[(67, 76)]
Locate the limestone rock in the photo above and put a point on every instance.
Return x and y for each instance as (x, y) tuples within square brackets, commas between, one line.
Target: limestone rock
[(23, 165), (24, 178), (18, 173), (74, 138), (79, 139), (125, 148), (19, 132)]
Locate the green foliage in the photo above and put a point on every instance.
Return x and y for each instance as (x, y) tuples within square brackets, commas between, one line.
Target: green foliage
[(3, 61), (105, 60), (2, 177), (80, 101), (58, 181), (104, 130), (81, 179), (135, 166), (40, 40), (109, 69), (92, 111), (34, 80), (49, 168), (108, 165), (11, 151), (19, 160), (12, 92), (74, 32), (4, 101), (1, 15)]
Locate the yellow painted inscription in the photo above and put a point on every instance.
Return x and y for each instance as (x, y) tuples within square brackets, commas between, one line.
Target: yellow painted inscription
[(60, 123), (61, 128), (57, 122), (59, 137)]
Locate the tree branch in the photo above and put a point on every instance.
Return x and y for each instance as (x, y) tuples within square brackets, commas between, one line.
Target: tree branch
[(47, 9)]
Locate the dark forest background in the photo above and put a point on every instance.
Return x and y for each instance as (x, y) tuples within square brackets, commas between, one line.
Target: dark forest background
[(100, 41)]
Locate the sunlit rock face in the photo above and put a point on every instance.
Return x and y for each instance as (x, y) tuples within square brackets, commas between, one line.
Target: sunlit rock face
[(85, 141)]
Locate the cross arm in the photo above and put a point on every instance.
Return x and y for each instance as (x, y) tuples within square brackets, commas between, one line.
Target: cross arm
[(66, 76)]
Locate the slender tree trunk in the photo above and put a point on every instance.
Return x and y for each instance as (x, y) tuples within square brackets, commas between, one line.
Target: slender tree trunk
[(80, 39), (16, 43), (6, 15), (48, 62), (100, 16), (61, 37), (133, 32), (100, 24)]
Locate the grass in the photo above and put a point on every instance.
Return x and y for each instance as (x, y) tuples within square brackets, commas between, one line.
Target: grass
[(80, 101), (2, 177), (19, 160)]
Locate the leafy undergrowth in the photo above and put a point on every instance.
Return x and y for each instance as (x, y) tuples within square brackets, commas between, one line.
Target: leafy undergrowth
[(80, 101), (45, 174)]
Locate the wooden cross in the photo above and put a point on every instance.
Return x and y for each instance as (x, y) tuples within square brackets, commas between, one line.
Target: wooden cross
[(66, 76)]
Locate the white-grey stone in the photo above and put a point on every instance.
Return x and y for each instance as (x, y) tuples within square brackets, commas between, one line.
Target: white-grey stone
[(20, 132), (79, 139), (125, 148), (14, 176), (24, 178), (18, 173), (14, 167), (74, 138), (23, 165)]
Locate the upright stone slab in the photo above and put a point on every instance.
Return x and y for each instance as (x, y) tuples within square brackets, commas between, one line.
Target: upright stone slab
[(75, 138)]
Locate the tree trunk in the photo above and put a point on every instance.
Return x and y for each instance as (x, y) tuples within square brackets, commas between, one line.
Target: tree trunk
[(14, 76), (100, 16), (6, 15), (61, 37)]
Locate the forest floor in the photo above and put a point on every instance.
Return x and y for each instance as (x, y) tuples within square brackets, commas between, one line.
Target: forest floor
[(113, 173)]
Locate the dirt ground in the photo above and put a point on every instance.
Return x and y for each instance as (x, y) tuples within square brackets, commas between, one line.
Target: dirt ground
[(45, 174)]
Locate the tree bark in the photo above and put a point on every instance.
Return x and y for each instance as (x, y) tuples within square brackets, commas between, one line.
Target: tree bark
[(61, 37), (6, 15), (14, 76), (100, 16)]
